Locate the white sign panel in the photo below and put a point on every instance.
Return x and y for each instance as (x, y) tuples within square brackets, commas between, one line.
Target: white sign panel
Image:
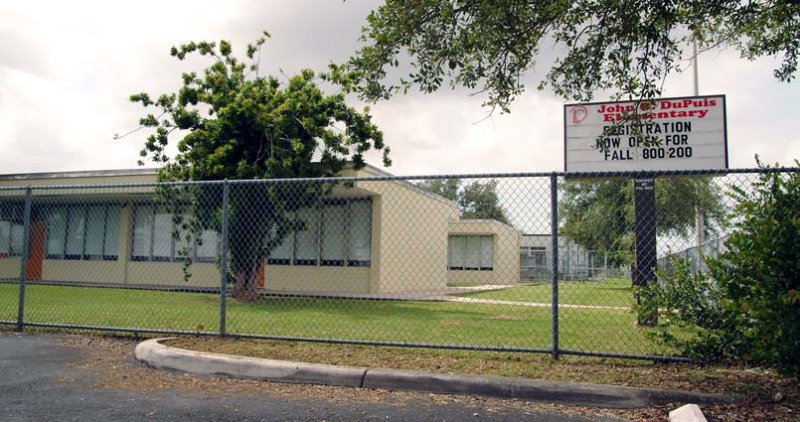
[(662, 134)]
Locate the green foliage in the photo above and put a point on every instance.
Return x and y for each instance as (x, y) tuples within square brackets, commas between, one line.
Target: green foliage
[(448, 188), (489, 45), (240, 125), (599, 215), (689, 308), (748, 305), (477, 200)]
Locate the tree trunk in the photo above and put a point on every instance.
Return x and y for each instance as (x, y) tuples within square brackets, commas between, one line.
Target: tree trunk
[(246, 289)]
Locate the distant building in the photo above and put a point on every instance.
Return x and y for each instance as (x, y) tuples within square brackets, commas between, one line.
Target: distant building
[(574, 261)]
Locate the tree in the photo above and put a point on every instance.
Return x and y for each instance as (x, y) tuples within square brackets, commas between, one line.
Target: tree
[(477, 200), (240, 125), (447, 188), (627, 46), (599, 215)]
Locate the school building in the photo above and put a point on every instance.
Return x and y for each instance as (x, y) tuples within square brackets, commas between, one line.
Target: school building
[(368, 237)]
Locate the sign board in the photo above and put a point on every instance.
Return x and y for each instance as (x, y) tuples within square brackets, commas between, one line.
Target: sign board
[(686, 133)]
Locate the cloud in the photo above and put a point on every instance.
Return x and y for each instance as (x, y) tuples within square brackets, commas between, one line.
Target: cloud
[(761, 111), (443, 133), (67, 69)]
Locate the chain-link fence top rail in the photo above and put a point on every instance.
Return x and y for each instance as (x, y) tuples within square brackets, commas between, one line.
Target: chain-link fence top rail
[(459, 261)]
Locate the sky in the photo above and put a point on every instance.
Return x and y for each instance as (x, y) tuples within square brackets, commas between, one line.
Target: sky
[(67, 69)]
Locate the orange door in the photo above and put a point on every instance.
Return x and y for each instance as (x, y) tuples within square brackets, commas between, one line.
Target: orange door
[(260, 280), (36, 255)]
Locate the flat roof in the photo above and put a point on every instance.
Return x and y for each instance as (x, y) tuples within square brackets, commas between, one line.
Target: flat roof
[(82, 173), (485, 221), (375, 171), (120, 172)]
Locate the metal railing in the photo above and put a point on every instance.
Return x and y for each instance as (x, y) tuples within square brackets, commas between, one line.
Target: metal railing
[(538, 262)]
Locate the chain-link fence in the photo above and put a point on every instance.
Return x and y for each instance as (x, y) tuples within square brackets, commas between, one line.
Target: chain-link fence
[(522, 262), (693, 256)]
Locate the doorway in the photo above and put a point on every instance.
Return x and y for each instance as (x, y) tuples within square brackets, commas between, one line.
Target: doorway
[(36, 250)]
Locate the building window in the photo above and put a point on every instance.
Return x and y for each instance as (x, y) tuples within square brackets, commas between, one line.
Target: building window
[(159, 235), (470, 253), (359, 241), (88, 232), (11, 231), (339, 233), (538, 255), (306, 244)]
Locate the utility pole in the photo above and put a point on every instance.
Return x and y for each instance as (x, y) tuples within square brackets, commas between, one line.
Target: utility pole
[(699, 219)]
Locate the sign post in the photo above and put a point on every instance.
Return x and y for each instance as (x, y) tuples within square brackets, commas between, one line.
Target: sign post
[(644, 273), (645, 210), (686, 133)]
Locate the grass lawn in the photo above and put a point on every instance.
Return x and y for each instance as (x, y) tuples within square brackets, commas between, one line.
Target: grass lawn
[(612, 292), (445, 323), (9, 296)]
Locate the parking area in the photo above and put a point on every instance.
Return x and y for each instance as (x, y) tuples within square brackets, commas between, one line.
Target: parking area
[(85, 378)]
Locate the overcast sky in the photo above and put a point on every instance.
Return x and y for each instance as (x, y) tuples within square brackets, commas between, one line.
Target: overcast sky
[(67, 68)]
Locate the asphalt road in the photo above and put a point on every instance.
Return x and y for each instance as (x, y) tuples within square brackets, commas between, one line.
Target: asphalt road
[(34, 369)]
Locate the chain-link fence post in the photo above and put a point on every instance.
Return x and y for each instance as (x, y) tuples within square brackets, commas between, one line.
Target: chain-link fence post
[(223, 259), (554, 268), (23, 267)]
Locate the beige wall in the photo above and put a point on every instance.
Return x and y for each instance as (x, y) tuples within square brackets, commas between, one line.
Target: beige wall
[(317, 279), (171, 274), (506, 239), (83, 270), (409, 237), (9, 267)]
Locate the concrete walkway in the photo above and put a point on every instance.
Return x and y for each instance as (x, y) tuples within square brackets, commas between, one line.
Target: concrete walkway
[(531, 304), (449, 294)]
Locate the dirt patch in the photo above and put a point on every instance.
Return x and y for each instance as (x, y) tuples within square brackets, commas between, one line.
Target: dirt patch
[(109, 363), (503, 317)]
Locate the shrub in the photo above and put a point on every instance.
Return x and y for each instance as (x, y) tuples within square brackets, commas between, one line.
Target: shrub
[(747, 307)]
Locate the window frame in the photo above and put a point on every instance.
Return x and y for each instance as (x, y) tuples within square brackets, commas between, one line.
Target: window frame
[(319, 262), (465, 266), (67, 255), (10, 212), (538, 254), (310, 262), (173, 254), (83, 256), (321, 240)]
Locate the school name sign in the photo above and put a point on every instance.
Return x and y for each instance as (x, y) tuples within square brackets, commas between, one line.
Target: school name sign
[(661, 134)]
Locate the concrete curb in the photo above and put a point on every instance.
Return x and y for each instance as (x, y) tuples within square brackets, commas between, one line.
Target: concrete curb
[(155, 354)]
